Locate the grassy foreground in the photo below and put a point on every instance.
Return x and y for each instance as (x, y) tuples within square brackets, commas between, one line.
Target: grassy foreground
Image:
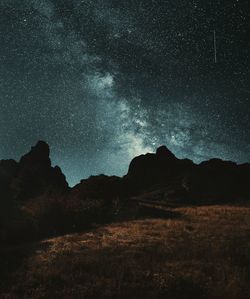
[(198, 252)]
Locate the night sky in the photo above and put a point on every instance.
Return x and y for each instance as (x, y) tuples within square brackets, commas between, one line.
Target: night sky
[(103, 81)]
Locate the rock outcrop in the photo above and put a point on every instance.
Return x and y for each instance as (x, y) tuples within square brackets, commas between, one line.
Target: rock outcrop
[(32, 176), (155, 170), (210, 181)]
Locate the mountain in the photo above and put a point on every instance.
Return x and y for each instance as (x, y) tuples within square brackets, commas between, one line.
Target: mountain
[(156, 170), (181, 179), (32, 176)]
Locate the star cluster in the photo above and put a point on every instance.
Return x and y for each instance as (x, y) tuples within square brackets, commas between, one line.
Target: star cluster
[(102, 81)]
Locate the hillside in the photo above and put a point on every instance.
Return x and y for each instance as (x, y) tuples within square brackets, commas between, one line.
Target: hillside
[(185, 252)]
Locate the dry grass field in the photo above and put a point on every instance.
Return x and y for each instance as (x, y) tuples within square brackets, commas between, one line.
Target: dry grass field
[(191, 252)]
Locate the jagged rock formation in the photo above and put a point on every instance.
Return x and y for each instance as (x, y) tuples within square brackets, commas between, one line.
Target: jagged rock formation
[(32, 176), (156, 170), (210, 181)]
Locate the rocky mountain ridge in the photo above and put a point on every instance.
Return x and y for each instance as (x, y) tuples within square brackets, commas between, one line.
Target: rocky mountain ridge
[(212, 180)]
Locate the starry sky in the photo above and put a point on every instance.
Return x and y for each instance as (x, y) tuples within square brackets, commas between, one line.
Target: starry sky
[(103, 81)]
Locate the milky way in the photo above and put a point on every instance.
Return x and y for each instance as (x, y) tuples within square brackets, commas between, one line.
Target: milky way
[(103, 81)]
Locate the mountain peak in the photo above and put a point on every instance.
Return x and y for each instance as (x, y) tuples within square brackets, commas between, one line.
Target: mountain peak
[(36, 176), (38, 154), (41, 148), (164, 152)]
